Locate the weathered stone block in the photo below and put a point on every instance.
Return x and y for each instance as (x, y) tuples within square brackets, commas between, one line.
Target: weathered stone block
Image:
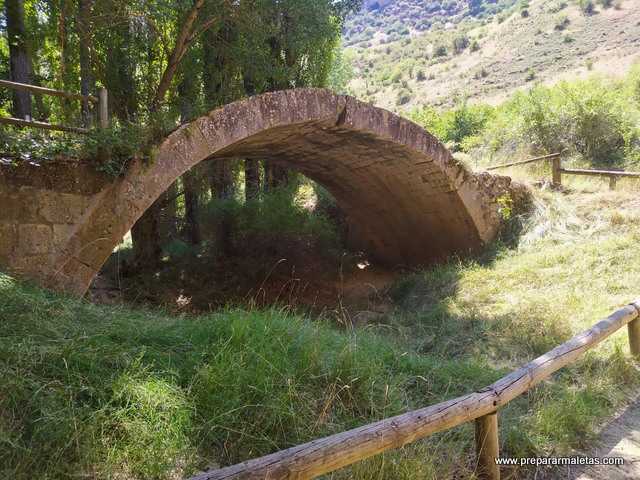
[(62, 207), (33, 267), (8, 235), (34, 239), (61, 235), (19, 206)]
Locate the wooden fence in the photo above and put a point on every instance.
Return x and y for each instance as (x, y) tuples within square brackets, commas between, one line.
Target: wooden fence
[(557, 171), (325, 455), (101, 103)]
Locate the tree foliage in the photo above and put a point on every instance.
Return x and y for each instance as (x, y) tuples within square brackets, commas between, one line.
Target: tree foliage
[(142, 49)]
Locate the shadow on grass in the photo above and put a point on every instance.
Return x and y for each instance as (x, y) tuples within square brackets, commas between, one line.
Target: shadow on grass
[(109, 392)]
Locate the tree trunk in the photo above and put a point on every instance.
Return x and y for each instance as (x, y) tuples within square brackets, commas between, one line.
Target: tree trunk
[(168, 220), (222, 179), (183, 42), (65, 79), (119, 74), (187, 92), (191, 207), (218, 80), (267, 185), (145, 236), (251, 179), (275, 177), (20, 60), (87, 79)]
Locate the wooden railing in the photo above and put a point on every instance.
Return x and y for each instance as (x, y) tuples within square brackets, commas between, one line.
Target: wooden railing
[(336, 451), (557, 171), (524, 162), (614, 175), (101, 102)]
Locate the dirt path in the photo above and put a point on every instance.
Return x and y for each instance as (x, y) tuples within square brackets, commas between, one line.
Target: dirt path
[(620, 438)]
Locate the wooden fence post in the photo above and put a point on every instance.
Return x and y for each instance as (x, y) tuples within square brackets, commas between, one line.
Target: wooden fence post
[(556, 172), (103, 108), (613, 180), (487, 447), (634, 337)]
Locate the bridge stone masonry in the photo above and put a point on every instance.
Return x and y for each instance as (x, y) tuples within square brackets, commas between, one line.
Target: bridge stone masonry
[(407, 200)]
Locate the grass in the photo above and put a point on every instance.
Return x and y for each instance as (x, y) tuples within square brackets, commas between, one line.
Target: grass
[(116, 393), (111, 392)]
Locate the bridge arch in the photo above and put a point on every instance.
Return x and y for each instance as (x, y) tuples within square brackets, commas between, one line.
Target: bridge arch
[(411, 201)]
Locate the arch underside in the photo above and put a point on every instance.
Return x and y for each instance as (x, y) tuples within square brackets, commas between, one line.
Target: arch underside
[(402, 207), (408, 201)]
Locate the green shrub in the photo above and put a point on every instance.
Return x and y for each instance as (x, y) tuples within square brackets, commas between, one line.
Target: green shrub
[(460, 44), (557, 7), (593, 119), (403, 97), (561, 22), (440, 51), (482, 73), (531, 75), (587, 6), (114, 147), (456, 127), (267, 226)]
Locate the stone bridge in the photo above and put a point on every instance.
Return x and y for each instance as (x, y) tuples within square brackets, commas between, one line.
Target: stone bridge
[(409, 201)]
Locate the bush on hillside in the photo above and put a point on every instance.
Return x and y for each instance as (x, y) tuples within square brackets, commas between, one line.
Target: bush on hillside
[(590, 118), (404, 96), (440, 51), (562, 22), (587, 6), (460, 44)]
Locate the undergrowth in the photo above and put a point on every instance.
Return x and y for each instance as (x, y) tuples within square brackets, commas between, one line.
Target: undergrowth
[(111, 392), (118, 393)]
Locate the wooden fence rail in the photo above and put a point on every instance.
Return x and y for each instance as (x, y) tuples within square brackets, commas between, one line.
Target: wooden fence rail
[(614, 175), (557, 171), (524, 162), (325, 455), (101, 102)]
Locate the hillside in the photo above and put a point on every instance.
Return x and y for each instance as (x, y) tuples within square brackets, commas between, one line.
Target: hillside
[(489, 58), (388, 20)]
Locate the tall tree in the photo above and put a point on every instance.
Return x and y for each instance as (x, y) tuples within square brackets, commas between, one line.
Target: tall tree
[(188, 94), (87, 78), (21, 67), (220, 80), (65, 74), (188, 33)]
